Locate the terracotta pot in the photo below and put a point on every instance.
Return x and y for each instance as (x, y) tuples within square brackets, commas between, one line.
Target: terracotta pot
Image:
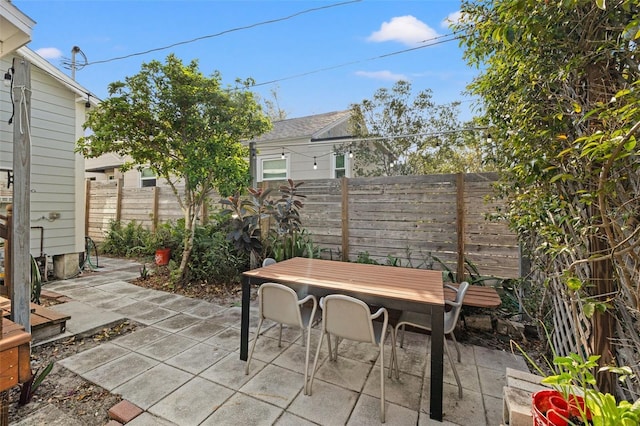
[(163, 256)]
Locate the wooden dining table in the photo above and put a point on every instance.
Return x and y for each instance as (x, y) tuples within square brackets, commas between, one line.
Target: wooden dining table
[(418, 290)]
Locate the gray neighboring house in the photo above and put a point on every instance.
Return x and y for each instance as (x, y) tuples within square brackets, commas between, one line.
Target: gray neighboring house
[(289, 150), (304, 148)]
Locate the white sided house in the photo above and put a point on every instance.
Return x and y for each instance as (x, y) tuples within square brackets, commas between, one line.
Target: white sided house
[(305, 148), (58, 109)]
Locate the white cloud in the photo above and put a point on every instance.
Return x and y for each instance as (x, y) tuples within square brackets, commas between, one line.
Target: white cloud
[(382, 75), (453, 18), (404, 29), (49, 53)]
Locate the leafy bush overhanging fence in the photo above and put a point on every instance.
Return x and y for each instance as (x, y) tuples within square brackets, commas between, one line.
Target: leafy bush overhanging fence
[(420, 221)]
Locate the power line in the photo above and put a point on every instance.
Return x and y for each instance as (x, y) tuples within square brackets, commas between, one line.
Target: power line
[(374, 58), (246, 27), (349, 140)]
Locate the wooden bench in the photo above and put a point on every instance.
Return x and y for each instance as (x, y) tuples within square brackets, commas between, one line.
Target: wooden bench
[(478, 296)]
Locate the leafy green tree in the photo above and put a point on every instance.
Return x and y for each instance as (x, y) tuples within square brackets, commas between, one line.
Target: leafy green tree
[(410, 134), (559, 84), (183, 125), (272, 107)]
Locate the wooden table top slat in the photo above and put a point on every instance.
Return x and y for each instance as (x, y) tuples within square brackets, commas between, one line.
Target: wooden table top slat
[(477, 296), (416, 285)]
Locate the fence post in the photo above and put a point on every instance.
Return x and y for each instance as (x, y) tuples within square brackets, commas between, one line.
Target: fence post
[(87, 205), (119, 186), (345, 219), (154, 222), (460, 224), (252, 164)]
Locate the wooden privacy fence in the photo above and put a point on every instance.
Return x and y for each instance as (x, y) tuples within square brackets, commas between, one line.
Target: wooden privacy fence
[(414, 219)]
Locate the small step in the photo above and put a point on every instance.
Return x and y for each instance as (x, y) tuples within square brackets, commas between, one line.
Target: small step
[(45, 323)]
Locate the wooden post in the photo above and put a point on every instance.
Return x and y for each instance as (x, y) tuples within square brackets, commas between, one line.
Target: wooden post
[(156, 196), (21, 232), (87, 205), (345, 219), (8, 261), (252, 164), (460, 222), (119, 185)]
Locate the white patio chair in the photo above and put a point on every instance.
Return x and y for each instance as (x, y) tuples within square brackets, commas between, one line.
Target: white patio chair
[(423, 321), (268, 261), (346, 317), (280, 303)]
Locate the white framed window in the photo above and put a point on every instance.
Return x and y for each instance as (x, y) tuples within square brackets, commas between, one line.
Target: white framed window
[(340, 165), (147, 178), (274, 168)]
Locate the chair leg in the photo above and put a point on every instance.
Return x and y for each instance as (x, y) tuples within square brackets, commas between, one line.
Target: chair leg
[(329, 347), (402, 337), (393, 362), (306, 358), (253, 346), (455, 342), (315, 363), (382, 404), (453, 366), (280, 337)]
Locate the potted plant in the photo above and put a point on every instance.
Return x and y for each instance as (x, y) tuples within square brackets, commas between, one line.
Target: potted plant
[(162, 241), (575, 399)]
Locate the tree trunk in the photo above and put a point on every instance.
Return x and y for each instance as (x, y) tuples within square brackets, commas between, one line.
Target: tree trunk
[(603, 323), (189, 232)]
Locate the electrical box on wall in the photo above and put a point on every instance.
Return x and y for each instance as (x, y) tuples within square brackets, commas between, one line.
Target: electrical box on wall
[(54, 215)]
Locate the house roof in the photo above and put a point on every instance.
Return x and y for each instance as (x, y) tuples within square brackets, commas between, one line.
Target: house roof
[(304, 127), (15, 28)]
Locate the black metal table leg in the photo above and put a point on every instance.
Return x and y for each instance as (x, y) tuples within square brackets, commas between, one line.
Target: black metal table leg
[(244, 325), (437, 364)]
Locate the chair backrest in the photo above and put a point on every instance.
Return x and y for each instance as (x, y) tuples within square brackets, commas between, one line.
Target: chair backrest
[(348, 318), (279, 303), (268, 261), (451, 317)]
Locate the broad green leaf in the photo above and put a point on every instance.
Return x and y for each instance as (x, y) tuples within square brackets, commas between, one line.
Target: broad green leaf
[(574, 284), (588, 309)]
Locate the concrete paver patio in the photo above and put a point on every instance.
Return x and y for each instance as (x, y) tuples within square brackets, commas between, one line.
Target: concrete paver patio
[(183, 366)]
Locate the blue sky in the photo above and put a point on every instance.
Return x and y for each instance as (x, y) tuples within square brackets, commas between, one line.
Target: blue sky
[(345, 37)]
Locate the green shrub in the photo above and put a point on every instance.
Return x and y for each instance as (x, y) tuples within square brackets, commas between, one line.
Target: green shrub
[(134, 240), (129, 240), (365, 257), (297, 244), (214, 259)]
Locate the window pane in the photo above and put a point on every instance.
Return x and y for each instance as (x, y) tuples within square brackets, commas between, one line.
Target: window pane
[(274, 169), (340, 173), (340, 161), (147, 173)]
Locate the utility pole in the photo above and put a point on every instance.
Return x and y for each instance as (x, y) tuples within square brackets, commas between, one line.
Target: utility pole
[(74, 50), (21, 226)]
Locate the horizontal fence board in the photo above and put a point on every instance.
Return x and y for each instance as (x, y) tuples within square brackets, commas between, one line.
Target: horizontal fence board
[(412, 218)]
